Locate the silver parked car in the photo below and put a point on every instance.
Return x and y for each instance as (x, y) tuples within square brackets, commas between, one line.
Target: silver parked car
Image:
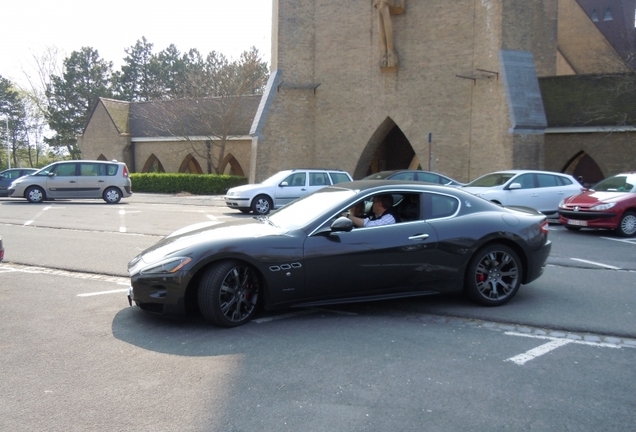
[(79, 179), (281, 188), (541, 190)]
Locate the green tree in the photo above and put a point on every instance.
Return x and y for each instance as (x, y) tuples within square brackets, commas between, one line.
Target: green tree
[(139, 76), (13, 115), (85, 78)]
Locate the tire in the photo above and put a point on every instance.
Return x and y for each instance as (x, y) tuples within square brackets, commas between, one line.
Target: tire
[(35, 194), (262, 205), (572, 228), (494, 275), (229, 293), (112, 195), (627, 226)]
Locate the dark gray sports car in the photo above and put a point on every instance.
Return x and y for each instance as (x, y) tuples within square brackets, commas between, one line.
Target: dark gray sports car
[(309, 253)]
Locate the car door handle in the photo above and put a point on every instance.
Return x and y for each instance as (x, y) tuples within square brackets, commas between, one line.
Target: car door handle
[(419, 237), (100, 181), (72, 181)]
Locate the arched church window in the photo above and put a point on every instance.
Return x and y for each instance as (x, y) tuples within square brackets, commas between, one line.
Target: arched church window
[(608, 15)]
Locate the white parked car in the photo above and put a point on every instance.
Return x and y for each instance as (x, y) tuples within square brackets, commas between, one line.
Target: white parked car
[(281, 188), (541, 190)]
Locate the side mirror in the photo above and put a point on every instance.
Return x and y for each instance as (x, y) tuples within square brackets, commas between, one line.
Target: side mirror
[(514, 186), (284, 184), (342, 224), (51, 174)]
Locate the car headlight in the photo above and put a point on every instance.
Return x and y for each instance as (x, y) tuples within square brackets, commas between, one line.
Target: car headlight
[(562, 204), (232, 193), (168, 266), (600, 207)]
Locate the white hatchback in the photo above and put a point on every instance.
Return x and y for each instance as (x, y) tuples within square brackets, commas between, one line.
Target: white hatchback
[(281, 188), (541, 190)]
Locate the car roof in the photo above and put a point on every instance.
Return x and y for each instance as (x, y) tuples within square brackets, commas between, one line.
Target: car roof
[(379, 185)]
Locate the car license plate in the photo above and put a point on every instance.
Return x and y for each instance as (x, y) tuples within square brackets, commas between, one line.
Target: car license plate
[(577, 222)]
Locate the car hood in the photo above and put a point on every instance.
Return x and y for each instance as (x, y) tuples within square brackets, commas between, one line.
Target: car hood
[(209, 233), (247, 187), (593, 197)]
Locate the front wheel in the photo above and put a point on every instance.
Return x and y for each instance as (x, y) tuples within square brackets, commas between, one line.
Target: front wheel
[(627, 225), (112, 195), (228, 293), (262, 205), (494, 275), (35, 194)]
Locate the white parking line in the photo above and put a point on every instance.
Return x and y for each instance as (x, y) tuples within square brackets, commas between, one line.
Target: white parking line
[(102, 293), (628, 241), (29, 222), (596, 264), (554, 343)]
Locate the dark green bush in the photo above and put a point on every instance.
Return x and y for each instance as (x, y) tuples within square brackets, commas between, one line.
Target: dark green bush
[(196, 184)]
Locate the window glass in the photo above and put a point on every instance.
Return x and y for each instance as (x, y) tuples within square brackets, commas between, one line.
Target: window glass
[(338, 177), (296, 179), (404, 176), (13, 174), (525, 180), (427, 177), (439, 206), (89, 169), (489, 180), (66, 169), (547, 180), (111, 169), (564, 181), (318, 179)]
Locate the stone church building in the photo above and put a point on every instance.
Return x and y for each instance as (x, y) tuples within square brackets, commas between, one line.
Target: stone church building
[(460, 87)]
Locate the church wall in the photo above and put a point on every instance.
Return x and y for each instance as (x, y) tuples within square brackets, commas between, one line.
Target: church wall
[(436, 41), (611, 151), (102, 137)]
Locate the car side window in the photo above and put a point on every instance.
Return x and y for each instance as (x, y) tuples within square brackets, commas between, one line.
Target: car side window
[(404, 176), (525, 180), (337, 177), (64, 170), (563, 181), (296, 179), (426, 177), (13, 174), (89, 169), (318, 179), (435, 206), (547, 180)]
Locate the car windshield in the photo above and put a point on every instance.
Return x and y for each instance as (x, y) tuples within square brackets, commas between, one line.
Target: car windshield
[(490, 180), (276, 178), (617, 183), (304, 210)]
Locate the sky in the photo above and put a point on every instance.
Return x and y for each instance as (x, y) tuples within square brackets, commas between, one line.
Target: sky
[(29, 28)]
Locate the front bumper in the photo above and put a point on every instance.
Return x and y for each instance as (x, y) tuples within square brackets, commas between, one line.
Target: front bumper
[(237, 203), (162, 295), (589, 219)]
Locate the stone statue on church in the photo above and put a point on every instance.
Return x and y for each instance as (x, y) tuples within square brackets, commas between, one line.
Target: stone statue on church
[(386, 8)]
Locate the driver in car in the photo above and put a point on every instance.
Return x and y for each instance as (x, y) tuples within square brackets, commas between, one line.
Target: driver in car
[(382, 205)]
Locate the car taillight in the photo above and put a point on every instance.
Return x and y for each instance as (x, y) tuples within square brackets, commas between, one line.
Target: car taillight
[(125, 171), (543, 227)]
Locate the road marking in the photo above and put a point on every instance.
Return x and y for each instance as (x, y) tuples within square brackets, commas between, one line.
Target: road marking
[(596, 264), (29, 222), (628, 241), (102, 293), (554, 343), (122, 219)]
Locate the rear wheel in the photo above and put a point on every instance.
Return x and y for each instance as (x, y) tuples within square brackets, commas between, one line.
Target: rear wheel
[(494, 275), (228, 293), (112, 195), (35, 194), (262, 205), (627, 225)]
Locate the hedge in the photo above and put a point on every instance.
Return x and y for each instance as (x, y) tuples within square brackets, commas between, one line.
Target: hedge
[(196, 184)]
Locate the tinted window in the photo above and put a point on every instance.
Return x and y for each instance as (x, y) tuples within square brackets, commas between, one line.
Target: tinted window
[(11, 174), (318, 179), (91, 169), (427, 177), (564, 180), (405, 176), (438, 206), (111, 169), (337, 177), (547, 180), (489, 180), (525, 180)]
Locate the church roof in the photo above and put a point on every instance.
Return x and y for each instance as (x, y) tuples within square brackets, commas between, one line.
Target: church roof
[(230, 116), (589, 100)]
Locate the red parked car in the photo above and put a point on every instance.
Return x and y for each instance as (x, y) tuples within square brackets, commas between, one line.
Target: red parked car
[(611, 204)]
